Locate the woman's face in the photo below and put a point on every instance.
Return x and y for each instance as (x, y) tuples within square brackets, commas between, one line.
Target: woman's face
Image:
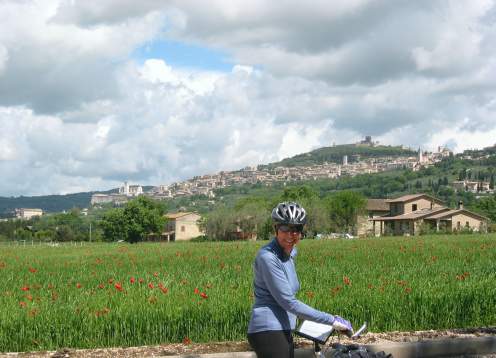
[(288, 236)]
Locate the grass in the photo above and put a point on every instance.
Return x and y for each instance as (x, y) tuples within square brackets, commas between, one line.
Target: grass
[(104, 295)]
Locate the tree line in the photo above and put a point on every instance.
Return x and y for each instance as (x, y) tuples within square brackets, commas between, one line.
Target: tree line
[(134, 222), (336, 212)]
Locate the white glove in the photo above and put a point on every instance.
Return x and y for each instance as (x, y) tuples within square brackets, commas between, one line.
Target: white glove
[(342, 325)]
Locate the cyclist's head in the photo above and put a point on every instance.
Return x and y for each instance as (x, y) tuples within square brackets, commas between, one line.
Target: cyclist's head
[(289, 219)]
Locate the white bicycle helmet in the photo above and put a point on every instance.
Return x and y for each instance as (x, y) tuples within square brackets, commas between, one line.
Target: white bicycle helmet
[(289, 213)]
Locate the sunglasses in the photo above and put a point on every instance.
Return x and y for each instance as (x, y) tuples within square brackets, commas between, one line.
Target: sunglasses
[(287, 228)]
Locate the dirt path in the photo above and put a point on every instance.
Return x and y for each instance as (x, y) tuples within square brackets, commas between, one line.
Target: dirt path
[(221, 347)]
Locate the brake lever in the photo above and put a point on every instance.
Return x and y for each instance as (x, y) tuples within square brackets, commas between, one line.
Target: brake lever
[(358, 333)]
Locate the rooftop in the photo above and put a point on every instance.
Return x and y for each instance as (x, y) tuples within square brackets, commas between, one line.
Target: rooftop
[(377, 205), (410, 197)]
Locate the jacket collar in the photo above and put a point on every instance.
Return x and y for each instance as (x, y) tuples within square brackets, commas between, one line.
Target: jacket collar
[(278, 250)]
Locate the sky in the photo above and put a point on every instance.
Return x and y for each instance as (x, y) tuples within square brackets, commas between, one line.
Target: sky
[(97, 92)]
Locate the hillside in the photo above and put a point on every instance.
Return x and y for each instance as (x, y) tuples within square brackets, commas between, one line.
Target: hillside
[(434, 180), (385, 184), (335, 155), (49, 203)]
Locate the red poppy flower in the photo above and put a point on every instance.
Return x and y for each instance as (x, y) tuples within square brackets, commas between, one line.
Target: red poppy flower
[(25, 288), (164, 290), (32, 270), (186, 340), (78, 285), (100, 286), (155, 274), (203, 295), (197, 291), (22, 304), (132, 280), (118, 286), (346, 280), (151, 285), (141, 280)]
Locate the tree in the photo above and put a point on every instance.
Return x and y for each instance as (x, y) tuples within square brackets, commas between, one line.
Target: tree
[(219, 223), (133, 223), (114, 225), (251, 215), (299, 194), (344, 208), (64, 233), (487, 206), (317, 214)]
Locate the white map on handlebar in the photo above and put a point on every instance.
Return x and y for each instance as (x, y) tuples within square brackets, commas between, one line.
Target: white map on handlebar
[(314, 331)]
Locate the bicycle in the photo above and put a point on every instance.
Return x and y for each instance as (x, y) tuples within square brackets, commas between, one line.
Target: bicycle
[(319, 334)]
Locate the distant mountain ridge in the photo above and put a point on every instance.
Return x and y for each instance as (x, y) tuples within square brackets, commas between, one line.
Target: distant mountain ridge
[(49, 203)]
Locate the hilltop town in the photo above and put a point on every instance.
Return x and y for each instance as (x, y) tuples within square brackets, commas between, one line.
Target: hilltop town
[(266, 175)]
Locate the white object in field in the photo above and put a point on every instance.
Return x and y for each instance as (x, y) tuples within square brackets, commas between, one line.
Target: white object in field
[(318, 331)]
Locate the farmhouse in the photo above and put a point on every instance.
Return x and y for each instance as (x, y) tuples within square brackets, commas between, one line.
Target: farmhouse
[(374, 208), (472, 186), (25, 213), (182, 226), (410, 214)]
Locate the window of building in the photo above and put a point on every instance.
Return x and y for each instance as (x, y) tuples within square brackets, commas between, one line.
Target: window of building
[(183, 228), (458, 225), (414, 207), (467, 224)]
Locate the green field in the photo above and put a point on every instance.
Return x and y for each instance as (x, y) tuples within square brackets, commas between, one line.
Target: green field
[(105, 295)]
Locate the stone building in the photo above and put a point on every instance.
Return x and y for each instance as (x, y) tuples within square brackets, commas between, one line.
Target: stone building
[(26, 213), (182, 226), (410, 214)]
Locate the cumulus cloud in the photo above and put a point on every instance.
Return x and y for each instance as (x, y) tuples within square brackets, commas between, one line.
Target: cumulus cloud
[(53, 67), (79, 112), (348, 42), (168, 125)]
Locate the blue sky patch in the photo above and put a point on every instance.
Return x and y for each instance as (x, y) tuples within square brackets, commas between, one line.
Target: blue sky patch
[(180, 54)]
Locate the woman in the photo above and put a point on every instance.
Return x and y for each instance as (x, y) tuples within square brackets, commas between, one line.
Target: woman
[(275, 283)]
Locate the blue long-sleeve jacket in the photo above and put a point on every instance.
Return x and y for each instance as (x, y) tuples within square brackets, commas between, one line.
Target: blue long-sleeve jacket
[(275, 285)]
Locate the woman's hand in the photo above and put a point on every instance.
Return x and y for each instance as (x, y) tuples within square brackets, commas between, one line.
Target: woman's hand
[(342, 325)]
